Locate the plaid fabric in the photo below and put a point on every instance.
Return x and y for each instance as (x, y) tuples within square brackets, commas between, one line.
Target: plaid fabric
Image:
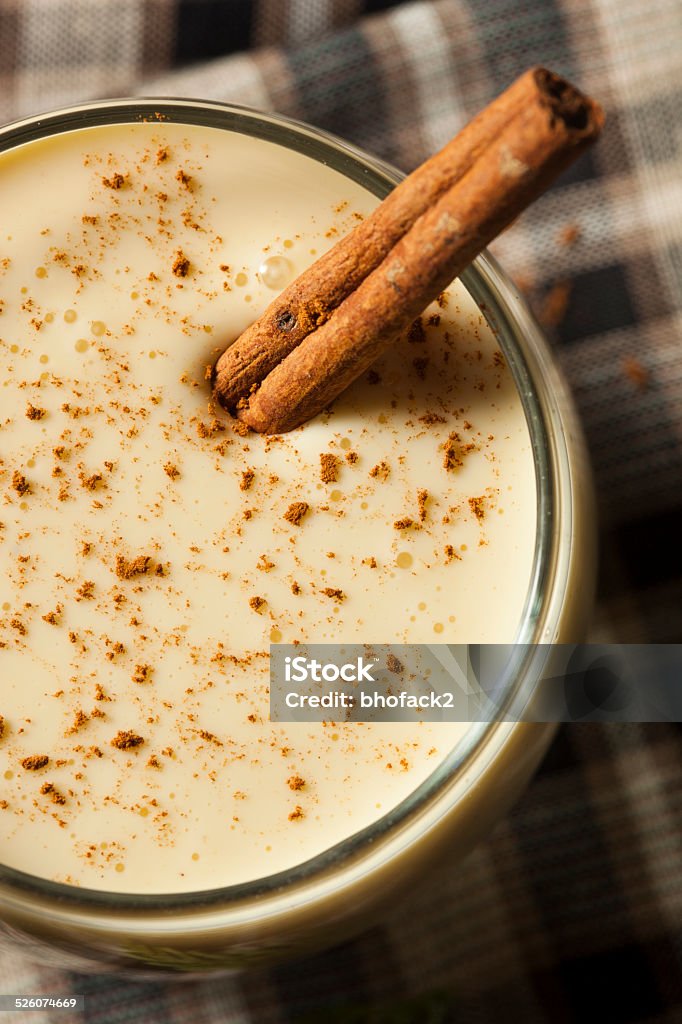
[(572, 911)]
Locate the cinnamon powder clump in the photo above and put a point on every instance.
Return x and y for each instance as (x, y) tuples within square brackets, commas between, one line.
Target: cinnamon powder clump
[(381, 471), (248, 476), (329, 468), (116, 181), (296, 511), (394, 664), (79, 720), (171, 470), (142, 674), (34, 413), (126, 739), (334, 592), (295, 782), (92, 482), (35, 762), (477, 506), (257, 603), (20, 483), (297, 813), (403, 524), (180, 265), (125, 569), (49, 789), (2, 726), (422, 498), (431, 418), (455, 450)]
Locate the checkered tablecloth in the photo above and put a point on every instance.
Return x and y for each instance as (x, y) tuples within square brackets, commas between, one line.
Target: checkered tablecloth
[(572, 911)]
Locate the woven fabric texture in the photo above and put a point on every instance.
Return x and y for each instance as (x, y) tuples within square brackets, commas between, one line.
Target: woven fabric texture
[(572, 910)]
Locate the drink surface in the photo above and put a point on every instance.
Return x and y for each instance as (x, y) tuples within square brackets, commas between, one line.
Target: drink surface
[(149, 553)]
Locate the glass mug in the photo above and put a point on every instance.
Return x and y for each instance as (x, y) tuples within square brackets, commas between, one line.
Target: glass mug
[(337, 892)]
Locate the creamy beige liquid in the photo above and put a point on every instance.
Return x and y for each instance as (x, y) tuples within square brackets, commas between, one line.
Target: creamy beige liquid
[(146, 558)]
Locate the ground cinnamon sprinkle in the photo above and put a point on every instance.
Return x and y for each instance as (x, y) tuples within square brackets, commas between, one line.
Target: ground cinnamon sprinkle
[(477, 506), (2, 726), (455, 450), (430, 418), (257, 603), (422, 498), (180, 265), (403, 524), (92, 482), (79, 720), (142, 674), (171, 470), (126, 740), (329, 468), (34, 413), (49, 789), (380, 471), (35, 762), (248, 476), (394, 664), (334, 592), (296, 814), (20, 483), (296, 511), (125, 569), (116, 181), (451, 555), (295, 782)]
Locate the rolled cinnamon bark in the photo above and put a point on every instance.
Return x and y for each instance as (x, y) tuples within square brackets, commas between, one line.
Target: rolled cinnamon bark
[(331, 324)]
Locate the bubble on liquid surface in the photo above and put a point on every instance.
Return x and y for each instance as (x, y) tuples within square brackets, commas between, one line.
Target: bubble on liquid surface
[(275, 272)]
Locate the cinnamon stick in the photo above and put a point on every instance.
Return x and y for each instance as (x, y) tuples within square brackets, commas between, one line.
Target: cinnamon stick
[(328, 327)]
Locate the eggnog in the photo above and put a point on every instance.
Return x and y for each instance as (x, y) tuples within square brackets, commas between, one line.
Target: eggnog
[(151, 552)]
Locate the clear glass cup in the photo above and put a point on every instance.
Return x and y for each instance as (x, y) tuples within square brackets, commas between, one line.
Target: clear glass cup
[(336, 893)]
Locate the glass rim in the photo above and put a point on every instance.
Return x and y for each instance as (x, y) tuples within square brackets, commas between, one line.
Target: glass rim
[(524, 349)]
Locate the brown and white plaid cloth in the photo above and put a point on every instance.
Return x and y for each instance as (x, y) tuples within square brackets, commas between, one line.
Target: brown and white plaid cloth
[(572, 911)]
